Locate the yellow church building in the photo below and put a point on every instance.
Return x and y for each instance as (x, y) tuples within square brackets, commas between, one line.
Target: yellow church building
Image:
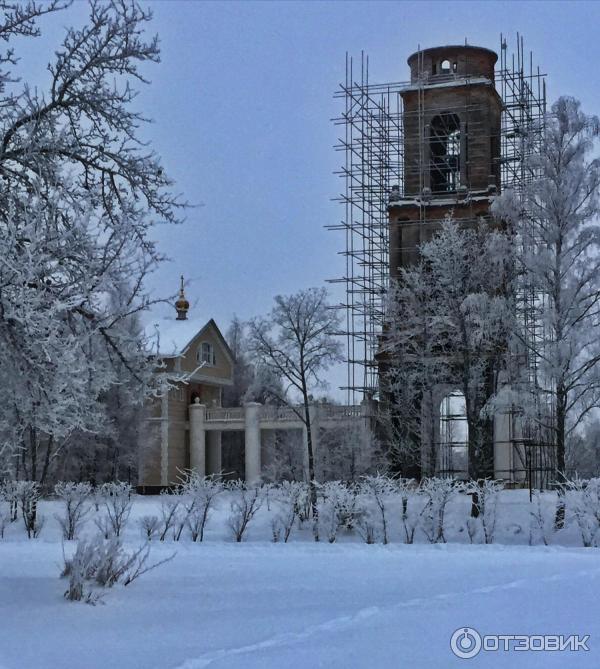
[(195, 354)]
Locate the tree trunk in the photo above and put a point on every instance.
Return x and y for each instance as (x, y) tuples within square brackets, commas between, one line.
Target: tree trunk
[(561, 418), (311, 465)]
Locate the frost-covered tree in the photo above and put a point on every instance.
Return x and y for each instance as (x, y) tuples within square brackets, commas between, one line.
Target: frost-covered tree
[(242, 369), (583, 451), (448, 323), (296, 343), (556, 218), (348, 451), (79, 194), (413, 368)]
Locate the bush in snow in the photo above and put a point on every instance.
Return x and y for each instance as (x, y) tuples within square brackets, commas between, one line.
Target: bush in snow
[(199, 493), (412, 508), (181, 517), (116, 500), (438, 492), (542, 517), (100, 562), (169, 511), (24, 495), (375, 493), (149, 526), (76, 498), (337, 508), (289, 498), (584, 502), (485, 494), (8, 493), (4, 519), (244, 506)]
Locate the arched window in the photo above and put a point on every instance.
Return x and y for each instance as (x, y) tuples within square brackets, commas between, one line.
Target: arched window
[(206, 354), (445, 68), (454, 436), (444, 144)]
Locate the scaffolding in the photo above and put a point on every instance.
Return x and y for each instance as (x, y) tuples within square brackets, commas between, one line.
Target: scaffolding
[(372, 146), (375, 131)]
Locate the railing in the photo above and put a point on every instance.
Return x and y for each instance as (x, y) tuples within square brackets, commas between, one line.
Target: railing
[(279, 414), (283, 414), (227, 415), (334, 411)]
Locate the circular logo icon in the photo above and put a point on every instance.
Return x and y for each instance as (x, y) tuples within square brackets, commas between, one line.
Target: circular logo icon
[(465, 642)]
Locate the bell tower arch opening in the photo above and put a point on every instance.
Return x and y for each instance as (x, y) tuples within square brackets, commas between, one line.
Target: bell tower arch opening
[(444, 147), (453, 457)]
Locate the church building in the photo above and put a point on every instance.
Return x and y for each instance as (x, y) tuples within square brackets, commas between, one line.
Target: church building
[(193, 353)]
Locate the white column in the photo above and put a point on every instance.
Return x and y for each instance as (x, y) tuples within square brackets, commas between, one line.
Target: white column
[(164, 437), (197, 439), (213, 451), (502, 445), (252, 442)]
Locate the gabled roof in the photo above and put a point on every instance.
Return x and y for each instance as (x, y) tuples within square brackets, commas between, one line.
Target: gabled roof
[(175, 337)]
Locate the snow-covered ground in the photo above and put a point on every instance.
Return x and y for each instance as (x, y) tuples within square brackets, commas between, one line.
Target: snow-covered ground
[(257, 604)]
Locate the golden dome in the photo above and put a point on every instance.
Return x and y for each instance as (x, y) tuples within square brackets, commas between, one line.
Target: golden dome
[(182, 305)]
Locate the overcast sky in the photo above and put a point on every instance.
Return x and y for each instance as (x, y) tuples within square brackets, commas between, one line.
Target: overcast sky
[(242, 103)]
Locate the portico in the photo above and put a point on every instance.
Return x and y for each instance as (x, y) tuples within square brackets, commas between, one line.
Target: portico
[(206, 425)]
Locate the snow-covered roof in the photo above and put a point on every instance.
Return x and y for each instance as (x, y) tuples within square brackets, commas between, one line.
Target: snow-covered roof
[(174, 336)]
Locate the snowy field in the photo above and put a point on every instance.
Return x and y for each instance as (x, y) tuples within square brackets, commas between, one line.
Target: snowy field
[(258, 604)]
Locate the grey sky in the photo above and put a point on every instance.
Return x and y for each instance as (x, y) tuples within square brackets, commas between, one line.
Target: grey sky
[(242, 103)]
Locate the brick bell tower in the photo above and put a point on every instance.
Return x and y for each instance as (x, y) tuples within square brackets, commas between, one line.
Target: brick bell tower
[(451, 166), (451, 126)]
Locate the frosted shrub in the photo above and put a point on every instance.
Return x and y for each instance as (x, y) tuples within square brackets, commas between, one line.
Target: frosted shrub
[(76, 498), (80, 569), (169, 511), (199, 493), (116, 500), (474, 529), (8, 492), (337, 508), (411, 507), (542, 517), (4, 520), (244, 506), (4, 512), (289, 499), (375, 493), (26, 494), (101, 563), (485, 499), (438, 492), (181, 517), (104, 526), (149, 526), (584, 501), (367, 521), (367, 528)]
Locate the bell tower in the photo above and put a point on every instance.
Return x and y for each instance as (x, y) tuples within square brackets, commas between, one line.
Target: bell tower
[(451, 146)]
